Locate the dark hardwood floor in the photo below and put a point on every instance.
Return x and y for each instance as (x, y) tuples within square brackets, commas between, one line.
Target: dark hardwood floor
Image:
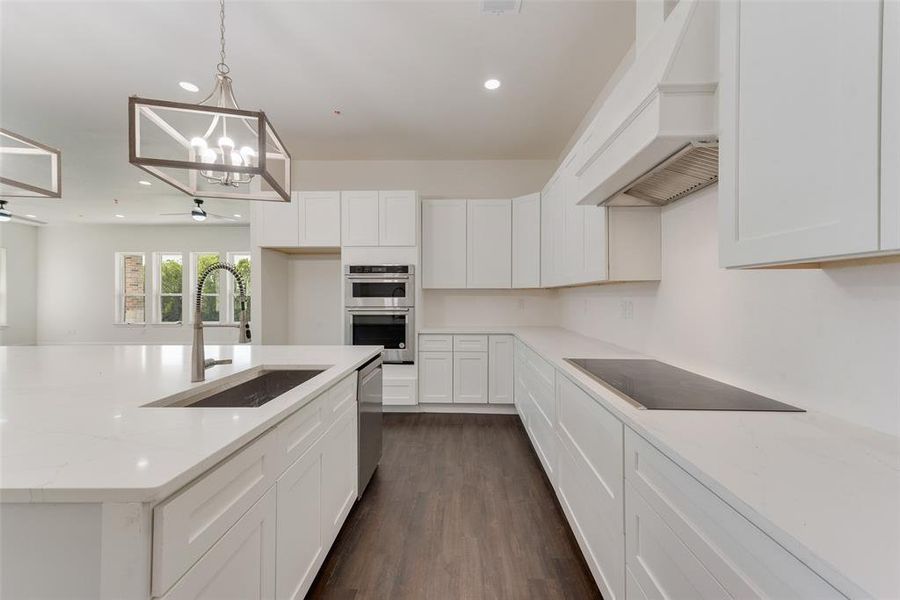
[(459, 508)]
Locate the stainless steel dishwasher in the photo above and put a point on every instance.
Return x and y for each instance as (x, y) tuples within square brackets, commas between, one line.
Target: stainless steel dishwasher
[(369, 395)]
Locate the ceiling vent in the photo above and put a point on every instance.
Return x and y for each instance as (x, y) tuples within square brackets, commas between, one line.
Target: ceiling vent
[(500, 7)]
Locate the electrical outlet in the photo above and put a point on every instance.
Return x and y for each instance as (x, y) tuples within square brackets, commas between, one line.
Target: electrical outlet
[(521, 303), (627, 309)]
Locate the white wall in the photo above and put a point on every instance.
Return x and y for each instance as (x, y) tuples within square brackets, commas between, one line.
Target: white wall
[(76, 279), (20, 242), (825, 339), (431, 178), (448, 308), (314, 299)]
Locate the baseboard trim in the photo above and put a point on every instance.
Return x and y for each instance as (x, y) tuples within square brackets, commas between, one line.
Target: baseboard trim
[(482, 409)]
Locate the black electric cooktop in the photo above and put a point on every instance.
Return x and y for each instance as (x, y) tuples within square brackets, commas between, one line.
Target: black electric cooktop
[(654, 385)]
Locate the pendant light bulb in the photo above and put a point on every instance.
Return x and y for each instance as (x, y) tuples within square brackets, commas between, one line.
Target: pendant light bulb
[(236, 158), (197, 213), (209, 155), (226, 142), (5, 215), (199, 143), (247, 152)]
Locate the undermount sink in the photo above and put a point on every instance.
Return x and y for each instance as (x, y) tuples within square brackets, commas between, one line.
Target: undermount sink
[(264, 386)]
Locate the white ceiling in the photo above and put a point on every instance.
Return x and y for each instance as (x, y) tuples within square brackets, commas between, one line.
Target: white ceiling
[(407, 77)]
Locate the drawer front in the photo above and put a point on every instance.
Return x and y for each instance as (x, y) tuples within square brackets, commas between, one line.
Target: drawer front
[(660, 564), (744, 560), (470, 343), (544, 395), (240, 565), (299, 432), (596, 519), (435, 343), (399, 392), (186, 525), (593, 435), (543, 438), (339, 397), (544, 370)]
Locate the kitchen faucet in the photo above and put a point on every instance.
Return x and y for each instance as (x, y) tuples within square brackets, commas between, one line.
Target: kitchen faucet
[(199, 362)]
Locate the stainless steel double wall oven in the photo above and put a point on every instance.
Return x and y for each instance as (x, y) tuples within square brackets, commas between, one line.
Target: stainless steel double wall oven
[(380, 309)]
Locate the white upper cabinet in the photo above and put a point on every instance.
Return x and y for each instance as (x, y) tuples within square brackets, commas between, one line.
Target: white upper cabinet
[(800, 130), (550, 202), (443, 243), (359, 218), (526, 241), (275, 223), (489, 244), (890, 128), (320, 218), (370, 218), (397, 218)]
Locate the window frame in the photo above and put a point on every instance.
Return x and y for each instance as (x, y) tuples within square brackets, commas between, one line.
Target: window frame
[(121, 294), (158, 293)]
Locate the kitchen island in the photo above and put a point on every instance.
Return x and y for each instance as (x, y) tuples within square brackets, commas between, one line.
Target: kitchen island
[(105, 497)]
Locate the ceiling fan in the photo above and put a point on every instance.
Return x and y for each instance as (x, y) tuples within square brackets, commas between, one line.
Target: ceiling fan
[(6, 216), (198, 213)]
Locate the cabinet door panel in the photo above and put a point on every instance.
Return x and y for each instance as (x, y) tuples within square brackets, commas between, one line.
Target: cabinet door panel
[(890, 128), (500, 363), (799, 109), (339, 477), (397, 218), (470, 377), (549, 199), (301, 544), (661, 565), (526, 241), (241, 565), (359, 218), (320, 219), (436, 377), (489, 244), (276, 224), (443, 243)]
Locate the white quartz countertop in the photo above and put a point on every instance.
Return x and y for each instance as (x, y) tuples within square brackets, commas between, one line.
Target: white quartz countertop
[(825, 489), (73, 428)]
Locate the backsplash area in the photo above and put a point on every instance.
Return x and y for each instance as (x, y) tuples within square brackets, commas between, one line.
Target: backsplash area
[(824, 339)]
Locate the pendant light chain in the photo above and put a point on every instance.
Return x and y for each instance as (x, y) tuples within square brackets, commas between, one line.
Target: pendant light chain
[(222, 66)]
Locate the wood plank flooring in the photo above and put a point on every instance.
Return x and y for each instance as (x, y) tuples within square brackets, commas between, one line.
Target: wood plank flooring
[(458, 508)]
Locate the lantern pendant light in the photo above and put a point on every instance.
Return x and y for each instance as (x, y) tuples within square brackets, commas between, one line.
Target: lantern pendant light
[(211, 149)]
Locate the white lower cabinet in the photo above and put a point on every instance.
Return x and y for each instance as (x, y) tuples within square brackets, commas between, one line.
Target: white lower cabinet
[(470, 377), (301, 539), (216, 539), (500, 367), (240, 565), (339, 477), (683, 541), (590, 479), (435, 377)]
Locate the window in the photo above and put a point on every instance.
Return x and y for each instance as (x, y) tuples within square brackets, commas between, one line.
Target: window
[(170, 287), (3, 297), (209, 296), (131, 295), (241, 261)]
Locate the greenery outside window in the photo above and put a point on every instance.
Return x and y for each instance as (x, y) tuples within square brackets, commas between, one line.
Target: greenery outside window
[(209, 296), (241, 261), (170, 286)]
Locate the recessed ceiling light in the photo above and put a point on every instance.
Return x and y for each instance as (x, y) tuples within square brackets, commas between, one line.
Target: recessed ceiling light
[(144, 182), (119, 216), (492, 84), (190, 87), (236, 216)]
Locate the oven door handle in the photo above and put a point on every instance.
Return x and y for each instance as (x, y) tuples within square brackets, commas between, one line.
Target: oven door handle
[(375, 309), (378, 279)]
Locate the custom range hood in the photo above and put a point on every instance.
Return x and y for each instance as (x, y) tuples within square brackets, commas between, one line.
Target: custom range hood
[(654, 139)]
